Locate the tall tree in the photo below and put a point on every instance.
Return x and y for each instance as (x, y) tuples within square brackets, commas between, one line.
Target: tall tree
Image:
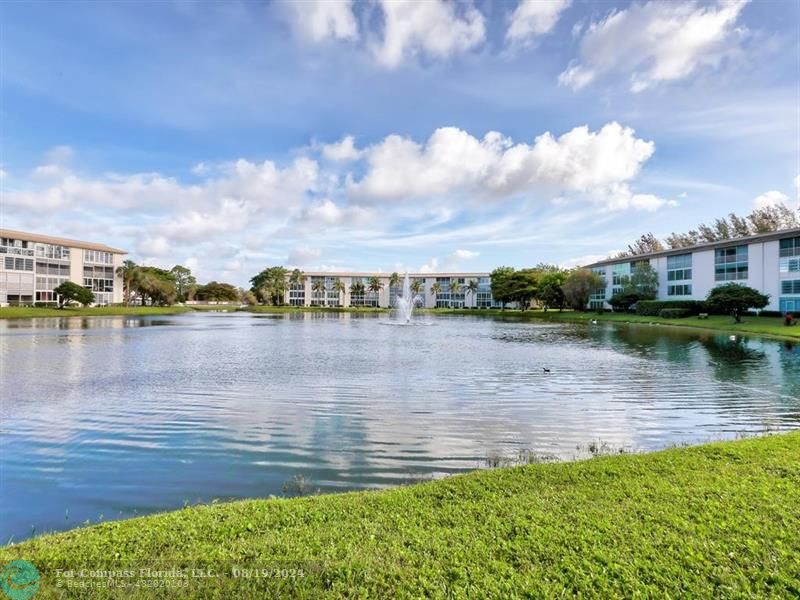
[(436, 289), (185, 282), (455, 289), (270, 285), (374, 286), (579, 286), (394, 280), (217, 292), (501, 284), (339, 287), (549, 291), (417, 287), (472, 289), (357, 289), (128, 270), (318, 287)]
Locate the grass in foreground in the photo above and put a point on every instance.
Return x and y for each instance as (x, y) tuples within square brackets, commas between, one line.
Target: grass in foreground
[(719, 520), (20, 312), (769, 326)]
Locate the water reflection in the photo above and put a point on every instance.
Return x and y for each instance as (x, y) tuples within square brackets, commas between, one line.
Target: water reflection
[(118, 415)]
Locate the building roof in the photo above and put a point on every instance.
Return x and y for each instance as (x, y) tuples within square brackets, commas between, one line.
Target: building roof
[(57, 241), (385, 274), (761, 237)]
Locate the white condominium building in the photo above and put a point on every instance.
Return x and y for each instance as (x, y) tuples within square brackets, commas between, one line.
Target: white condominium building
[(768, 262), (454, 290), (33, 265)]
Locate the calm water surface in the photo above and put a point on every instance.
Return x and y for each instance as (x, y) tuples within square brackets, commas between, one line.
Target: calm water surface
[(105, 418)]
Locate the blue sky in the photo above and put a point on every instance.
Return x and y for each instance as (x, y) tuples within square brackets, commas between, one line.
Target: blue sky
[(431, 135)]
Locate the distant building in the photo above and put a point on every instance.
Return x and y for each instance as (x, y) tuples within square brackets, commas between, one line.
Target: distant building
[(33, 265), (459, 296), (768, 262)]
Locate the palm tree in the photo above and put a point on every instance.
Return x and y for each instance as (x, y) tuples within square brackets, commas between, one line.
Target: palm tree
[(436, 289), (357, 289), (394, 280), (129, 272), (472, 288), (455, 288), (416, 287), (375, 286), (318, 287), (297, 277), (339, 287)]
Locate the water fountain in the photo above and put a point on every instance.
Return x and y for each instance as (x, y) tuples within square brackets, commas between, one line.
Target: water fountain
[(405, 304)]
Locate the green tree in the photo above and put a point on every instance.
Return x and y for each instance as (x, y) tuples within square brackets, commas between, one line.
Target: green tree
[(417, 287), (185, 282), (501, 284), (217, 292), (247, 297), (550, 291), (578, 287), (339, 287), (735, 299), (455, 289), (436, 289), (270, 285), (72, 292), (128, 271), (643, 281), (357, 289), (374, 287), (318, 287), (522, 287), (156, 285), (472, 289), (394, 280)]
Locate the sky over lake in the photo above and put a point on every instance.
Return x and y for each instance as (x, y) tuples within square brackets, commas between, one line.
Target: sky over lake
[(378, 135)]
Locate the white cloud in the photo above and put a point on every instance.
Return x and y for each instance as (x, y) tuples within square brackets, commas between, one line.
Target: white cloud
[(770, 198), (3, 174), (451, 262), (431, 28), (321, 20), (327, 213), (343, 150), (157, 246), (599, 164), (797, 186), (533, 18), (49, 171), (200, 169), (460, 255), (589, 259), (59, 155), (303, 255), (656, 42)]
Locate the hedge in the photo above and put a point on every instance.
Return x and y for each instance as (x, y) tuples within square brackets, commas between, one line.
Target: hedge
[(653, 308), (674, 313)]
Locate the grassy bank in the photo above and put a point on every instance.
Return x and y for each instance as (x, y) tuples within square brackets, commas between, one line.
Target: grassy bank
[(719, 520), (26, 312), (768, 326)]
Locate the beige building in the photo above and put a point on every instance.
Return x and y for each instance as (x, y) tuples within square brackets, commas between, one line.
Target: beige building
[(33, 265), (454, 290)]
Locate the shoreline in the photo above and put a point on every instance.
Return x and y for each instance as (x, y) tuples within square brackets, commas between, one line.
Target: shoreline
[(700, 517), (766, 327)]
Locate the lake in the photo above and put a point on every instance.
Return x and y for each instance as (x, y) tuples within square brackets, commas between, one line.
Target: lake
[(105, 418)]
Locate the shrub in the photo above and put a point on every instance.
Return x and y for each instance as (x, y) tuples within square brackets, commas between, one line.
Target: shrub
[(653, 308), (674, 313)]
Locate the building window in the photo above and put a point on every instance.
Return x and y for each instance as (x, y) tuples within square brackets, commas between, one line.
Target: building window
[(13, 263), (790, 247), (97, 256), (790, 265), (679, 268), (730, 264), (790, 286), (620, 274), (684, 289)]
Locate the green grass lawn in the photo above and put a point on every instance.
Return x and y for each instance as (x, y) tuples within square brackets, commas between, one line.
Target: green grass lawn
[(20, 312), (713, 521), (768, 326)]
